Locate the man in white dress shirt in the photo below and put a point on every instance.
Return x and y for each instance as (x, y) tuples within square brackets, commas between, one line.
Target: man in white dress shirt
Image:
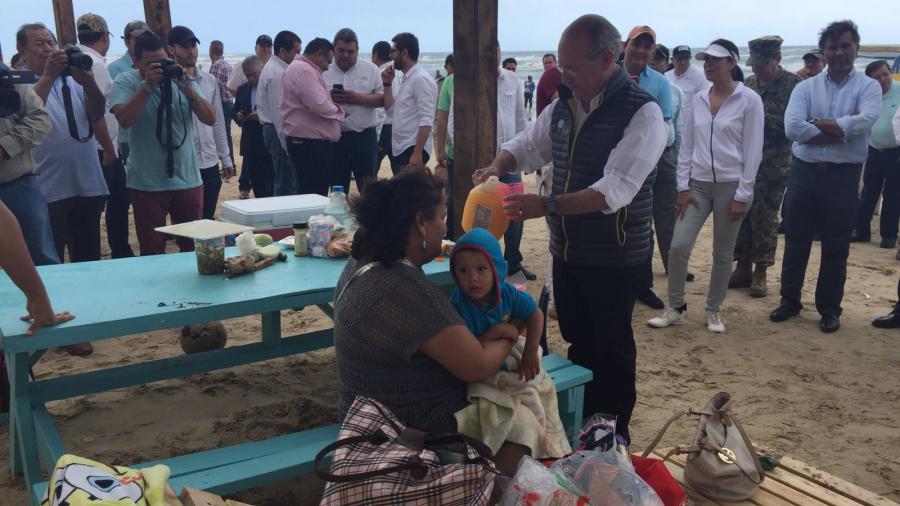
[(268, 105), (604, 135), (355, 84), (689, 79)]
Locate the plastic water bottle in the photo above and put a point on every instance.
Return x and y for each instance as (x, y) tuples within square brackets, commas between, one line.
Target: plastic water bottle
[(338, 207)]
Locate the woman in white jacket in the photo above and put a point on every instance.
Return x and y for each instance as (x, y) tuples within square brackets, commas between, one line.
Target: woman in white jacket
[(720, 152)]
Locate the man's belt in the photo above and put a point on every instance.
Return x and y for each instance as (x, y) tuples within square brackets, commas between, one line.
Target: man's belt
[(830, 166), (886, 150)]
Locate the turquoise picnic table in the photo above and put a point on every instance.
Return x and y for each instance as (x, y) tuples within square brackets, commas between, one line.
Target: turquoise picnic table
[(113, 298)]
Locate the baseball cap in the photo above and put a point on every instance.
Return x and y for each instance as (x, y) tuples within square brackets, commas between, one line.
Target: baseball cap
[(717, 51), (815, 53), (182, 36), (135, 27), (637, 31), (763, 49), (661, 53), (91, 23), (264, 40), (681, 51)]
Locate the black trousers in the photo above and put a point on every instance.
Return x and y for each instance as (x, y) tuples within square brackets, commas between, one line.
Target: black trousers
[(384, 148), (117, 205), (881, 177), (258, 174), (355, 152), (313, 160), (665, 193), (212, 185), (594, 305), (76, 225), (819, 198)]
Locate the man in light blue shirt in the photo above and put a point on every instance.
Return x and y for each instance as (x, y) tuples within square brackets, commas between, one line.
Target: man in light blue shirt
[(640, 49), (125, 63), (829, 118)]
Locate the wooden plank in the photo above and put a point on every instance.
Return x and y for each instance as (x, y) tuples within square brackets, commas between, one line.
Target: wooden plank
[(170, 498), (805, 486), (64, 15), (570, 377), (158, 16), (194, 497), (474, 95), (833, 483), (50, 444), (174, 367)]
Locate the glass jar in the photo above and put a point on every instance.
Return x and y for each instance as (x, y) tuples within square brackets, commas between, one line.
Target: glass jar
[(210, 255)]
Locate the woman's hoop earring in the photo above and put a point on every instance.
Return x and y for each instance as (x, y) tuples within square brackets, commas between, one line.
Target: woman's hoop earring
[(424, 245)]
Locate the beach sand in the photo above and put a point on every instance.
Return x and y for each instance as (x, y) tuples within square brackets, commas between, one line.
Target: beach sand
[(831, 400)]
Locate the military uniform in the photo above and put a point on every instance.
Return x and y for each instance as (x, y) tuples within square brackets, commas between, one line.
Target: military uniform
[(757, 238)]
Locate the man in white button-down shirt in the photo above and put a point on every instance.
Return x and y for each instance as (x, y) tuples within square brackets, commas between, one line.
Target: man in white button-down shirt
[(268, 105), (355, 84), (210, 142), (604, 135)]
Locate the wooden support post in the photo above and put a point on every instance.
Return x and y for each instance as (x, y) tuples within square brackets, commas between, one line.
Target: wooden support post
[(64, 15), (158, 16), (474, 95)]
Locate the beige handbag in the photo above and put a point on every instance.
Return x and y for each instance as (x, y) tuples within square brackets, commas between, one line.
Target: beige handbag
[(721, 462)]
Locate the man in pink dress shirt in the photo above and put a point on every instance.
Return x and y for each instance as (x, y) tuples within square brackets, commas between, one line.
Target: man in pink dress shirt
[(312, 121)]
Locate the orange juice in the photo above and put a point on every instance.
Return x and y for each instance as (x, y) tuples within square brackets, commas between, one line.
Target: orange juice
[(484, 209)]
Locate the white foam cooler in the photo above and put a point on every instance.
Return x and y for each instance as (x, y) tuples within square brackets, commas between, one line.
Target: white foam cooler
[(274, 215)]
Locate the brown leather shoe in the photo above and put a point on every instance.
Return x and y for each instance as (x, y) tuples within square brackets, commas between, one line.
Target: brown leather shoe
[(79, 350), (758, 286), (741, 277)]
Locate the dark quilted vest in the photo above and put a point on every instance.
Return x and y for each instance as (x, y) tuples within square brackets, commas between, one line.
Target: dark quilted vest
[(621, 239)]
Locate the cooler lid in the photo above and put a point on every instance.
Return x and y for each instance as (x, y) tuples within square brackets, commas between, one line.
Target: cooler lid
[(277, 210)]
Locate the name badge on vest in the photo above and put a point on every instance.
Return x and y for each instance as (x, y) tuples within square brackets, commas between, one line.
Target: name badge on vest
[(563, 128)]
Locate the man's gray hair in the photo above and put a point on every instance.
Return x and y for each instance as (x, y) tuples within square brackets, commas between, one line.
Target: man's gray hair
[(251, 62), (601, 34)]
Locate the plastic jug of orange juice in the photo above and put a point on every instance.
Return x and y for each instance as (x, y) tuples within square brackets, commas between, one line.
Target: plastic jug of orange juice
[(484, 209)]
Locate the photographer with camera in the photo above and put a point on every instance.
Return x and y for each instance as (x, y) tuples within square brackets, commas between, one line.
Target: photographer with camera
[(155, 102), (210, 141), (67, 165), (24, 124), (93, 35)]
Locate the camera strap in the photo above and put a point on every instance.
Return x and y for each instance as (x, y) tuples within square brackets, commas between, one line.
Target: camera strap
[(70, 114), (164, 115)]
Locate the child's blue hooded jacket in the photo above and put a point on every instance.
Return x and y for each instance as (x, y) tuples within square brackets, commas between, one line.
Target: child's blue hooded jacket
[(510, 303)]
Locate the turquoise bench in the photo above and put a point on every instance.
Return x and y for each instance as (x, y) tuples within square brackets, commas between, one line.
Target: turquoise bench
[(234, 468)]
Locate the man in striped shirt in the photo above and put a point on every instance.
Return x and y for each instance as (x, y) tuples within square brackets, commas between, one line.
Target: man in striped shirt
[(221, 70)]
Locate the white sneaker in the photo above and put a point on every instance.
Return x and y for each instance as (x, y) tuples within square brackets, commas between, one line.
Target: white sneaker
[(714, 322), (672, 316)]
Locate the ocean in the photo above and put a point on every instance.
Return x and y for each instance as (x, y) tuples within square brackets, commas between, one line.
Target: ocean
[(529, 62)]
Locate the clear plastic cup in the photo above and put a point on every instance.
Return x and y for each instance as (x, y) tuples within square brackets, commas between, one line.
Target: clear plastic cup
[(210, 255)]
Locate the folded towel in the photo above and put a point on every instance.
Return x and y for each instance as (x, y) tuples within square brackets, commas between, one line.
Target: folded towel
[(505, 408)]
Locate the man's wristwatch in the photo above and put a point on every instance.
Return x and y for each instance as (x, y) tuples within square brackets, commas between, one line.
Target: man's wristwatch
[(146, 87), (551, 205)]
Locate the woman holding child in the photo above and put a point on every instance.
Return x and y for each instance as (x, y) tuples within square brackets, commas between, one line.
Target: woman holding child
[(397, 337)]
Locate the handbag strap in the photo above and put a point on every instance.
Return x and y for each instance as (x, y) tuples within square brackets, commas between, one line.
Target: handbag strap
[(759, 469), (359, 272), (377, 438), (662, 432)]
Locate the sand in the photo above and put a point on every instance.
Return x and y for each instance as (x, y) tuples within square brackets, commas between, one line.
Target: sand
[(831, 400)]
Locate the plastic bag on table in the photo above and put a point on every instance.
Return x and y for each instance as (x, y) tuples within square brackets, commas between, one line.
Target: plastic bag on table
[(535, 485), (321, 228), (607, 479)]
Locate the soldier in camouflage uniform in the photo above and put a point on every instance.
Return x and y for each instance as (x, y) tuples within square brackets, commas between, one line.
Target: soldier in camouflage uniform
[(758, 235)]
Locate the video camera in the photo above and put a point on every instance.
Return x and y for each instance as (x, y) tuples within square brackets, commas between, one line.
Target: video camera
[(10, 102), (171, 69), (77, 59)]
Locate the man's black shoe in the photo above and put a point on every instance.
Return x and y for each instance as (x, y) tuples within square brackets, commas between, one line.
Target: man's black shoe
[(649, 298), (530, 276), (888, 242), (857, 237), (783, 312), (830, 323), (689, 277), (890, 321)]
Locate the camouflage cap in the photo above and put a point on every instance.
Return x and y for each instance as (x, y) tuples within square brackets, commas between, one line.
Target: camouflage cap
[(136, 28), (763, 49), (91, 23), (815, 53)]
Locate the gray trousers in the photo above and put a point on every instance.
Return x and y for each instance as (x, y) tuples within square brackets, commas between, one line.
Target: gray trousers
[(712, 198)]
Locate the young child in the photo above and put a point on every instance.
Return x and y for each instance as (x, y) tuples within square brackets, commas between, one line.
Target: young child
[(484, 299)]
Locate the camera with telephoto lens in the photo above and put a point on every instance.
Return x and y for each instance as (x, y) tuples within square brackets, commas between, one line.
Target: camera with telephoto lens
[(10, 102), (77, 59), (171, 70)]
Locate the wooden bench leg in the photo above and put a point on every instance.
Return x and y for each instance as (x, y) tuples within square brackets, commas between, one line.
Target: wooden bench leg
[(271, 328), (23, 419), (571, 407)]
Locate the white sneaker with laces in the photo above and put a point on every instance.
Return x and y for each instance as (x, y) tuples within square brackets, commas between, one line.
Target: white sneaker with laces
[(714, 322), (672, 316)]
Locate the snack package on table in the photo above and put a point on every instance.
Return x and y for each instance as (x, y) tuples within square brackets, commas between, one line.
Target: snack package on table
[(535, 485)]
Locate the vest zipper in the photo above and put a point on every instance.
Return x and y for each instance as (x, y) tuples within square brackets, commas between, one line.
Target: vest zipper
[(572, 140)]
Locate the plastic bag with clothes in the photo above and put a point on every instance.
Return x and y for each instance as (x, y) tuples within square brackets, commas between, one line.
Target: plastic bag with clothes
[(607, 478), (535, 485)]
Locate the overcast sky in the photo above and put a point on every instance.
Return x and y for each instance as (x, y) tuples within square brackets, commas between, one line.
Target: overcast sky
[(524, 24)]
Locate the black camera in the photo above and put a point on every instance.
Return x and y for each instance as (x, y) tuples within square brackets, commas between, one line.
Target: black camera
[(77, 59), (10, 102), (171, 69)]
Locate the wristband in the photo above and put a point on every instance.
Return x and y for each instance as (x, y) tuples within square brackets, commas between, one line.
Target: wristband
[(386, 85)]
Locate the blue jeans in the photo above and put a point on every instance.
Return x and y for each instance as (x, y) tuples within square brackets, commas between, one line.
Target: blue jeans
[(24, 199), (512, 239), (285, 178)]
